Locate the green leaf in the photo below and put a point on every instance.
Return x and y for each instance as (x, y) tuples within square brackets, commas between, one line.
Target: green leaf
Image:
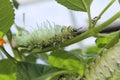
[(92, 50), (34, 57), (6, 15), (76, 5), (101, 42), (31, 58), (43, 57), (91, 54), (86, 56), (78, 54), (9, 35), (16, 4), (31, 71), (108, 41), (1, 34), (114, 40), (54, 76), (66, 60), (119, 1), (7, 70)]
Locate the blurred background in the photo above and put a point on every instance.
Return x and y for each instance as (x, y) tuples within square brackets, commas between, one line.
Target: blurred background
[(38, 11)]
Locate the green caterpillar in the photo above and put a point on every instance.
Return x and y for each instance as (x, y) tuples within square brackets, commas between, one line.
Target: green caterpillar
[(105, 65), (44, 36)]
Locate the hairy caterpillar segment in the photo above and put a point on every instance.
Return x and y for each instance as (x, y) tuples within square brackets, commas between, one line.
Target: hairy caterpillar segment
[(105, 65), (45, 36)]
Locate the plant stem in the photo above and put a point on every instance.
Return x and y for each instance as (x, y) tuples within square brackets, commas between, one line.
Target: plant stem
[(80, 37), (89, 14), (91, 32), (101, 35), (77, 38), (66, 43), (105, 9), (15, 51), (106, 23), (9, 56)]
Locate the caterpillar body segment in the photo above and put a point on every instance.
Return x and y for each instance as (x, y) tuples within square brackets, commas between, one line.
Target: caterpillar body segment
[(45, 36)]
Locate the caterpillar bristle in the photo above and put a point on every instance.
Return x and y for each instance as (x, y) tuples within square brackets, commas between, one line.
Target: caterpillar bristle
[(45, 35)]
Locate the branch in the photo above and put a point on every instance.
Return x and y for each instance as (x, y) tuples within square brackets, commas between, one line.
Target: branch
[(115, 26), (83, 32)]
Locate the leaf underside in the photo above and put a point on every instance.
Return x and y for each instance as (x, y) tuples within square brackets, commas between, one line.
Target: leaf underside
[(31, 71), (76, 5), (6, 15)]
